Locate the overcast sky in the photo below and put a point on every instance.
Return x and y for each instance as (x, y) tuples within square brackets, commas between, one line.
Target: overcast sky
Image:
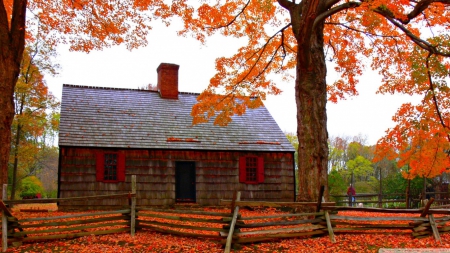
[(367, 114)]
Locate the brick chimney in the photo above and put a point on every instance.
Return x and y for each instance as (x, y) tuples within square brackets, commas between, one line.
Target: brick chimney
[(168, 80)]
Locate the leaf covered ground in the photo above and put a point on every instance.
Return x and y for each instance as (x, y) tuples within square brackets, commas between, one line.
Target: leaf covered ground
[(149, 241)]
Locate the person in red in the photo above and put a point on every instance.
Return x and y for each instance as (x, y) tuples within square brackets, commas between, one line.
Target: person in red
[(351, 194)]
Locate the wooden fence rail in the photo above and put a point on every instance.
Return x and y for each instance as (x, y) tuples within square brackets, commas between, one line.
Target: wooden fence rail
[(386, 198), (181, 222), (230, 228), (16, 231), (35, 229)]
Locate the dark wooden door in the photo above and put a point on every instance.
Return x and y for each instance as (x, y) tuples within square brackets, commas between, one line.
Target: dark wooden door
[(185, 181)]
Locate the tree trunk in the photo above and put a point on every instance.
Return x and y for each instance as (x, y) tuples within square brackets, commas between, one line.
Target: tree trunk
[(12, 44), (16, 161), (7, 83), (311, 99)]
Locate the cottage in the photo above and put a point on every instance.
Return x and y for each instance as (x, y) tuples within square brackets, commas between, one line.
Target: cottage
[(108, 134)]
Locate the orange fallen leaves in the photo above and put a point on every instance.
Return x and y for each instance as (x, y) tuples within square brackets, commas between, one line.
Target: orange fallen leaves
[(149, 241)]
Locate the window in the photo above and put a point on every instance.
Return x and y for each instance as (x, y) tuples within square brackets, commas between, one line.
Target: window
[(251, 170), (110, 167)]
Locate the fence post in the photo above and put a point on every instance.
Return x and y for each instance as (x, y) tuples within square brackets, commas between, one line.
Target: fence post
[(233, 223), (434, 228), (380, 200), (319, 201), (4, 220), (330, 227), (133, 205)]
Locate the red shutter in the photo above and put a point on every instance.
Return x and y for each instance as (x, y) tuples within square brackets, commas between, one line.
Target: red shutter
[(260, 170), (121, 167), (242, 169), (100, 166)]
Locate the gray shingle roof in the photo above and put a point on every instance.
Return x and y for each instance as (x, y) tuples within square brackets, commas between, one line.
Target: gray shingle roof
[(128, 118)]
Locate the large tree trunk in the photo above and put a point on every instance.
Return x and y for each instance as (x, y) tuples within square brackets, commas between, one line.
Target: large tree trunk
[(7, 84), (12, 44), (311, 99)]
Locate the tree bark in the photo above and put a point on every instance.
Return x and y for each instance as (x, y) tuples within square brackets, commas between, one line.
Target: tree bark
[(7, 83), (311, 99), (16, 162), (12, 44)]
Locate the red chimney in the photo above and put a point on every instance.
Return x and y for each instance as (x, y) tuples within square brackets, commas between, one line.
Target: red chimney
[(168, 80)]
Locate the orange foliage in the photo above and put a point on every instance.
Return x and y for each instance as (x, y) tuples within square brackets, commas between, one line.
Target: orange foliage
[(386, 36), (406, 41), (261, 142), (173, 139)]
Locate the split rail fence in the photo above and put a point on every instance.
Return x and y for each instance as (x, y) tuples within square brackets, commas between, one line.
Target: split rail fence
[(229, 227)]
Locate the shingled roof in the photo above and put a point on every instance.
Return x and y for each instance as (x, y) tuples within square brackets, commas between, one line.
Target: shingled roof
[(130, 118)]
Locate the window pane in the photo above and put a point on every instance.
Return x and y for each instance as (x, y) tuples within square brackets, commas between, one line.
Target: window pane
[(251, 168), (110, 167)]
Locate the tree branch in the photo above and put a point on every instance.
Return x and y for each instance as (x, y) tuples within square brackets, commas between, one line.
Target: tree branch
[(18, 29), (420, 42), (421, 6), (262, 50), (288, 5), (431, 89), (330, 3), (233, 20), (322, 16)]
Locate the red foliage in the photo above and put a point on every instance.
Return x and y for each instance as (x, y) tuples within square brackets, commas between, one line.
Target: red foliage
[(261, 142), (173, 139)]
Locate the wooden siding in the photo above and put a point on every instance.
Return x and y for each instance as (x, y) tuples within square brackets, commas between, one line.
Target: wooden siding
[(217, 177)]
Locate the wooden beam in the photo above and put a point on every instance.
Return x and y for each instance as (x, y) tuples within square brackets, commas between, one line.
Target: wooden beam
[(329, 227), (436, 235), (319, 200), (133, 205), (233, 223), (159, 210), (427, 207), (5, 212), (275, 204), (30, 201)]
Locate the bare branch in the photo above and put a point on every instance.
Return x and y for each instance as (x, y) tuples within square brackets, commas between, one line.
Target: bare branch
[(287, 4), (261, 50), (431, 89), (421, 6), (233, 20), (330, 12), (361, 31), (420, 42), (330, 3)]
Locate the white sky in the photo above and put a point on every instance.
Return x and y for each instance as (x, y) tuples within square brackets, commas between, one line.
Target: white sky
[(367, 114)]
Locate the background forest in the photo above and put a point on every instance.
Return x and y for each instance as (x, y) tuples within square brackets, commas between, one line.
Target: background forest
[(33, 161)]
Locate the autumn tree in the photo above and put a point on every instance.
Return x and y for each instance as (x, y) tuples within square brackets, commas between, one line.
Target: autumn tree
[(34, 110), (85, 25), (406, 41)]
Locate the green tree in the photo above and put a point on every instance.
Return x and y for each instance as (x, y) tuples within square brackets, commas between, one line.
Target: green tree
[(31, 186), (336, 183), (294, 141), (47, 164), (360, 167), (337, 157)]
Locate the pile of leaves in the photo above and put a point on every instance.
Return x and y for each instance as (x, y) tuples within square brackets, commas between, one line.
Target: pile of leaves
[(150, 241)]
